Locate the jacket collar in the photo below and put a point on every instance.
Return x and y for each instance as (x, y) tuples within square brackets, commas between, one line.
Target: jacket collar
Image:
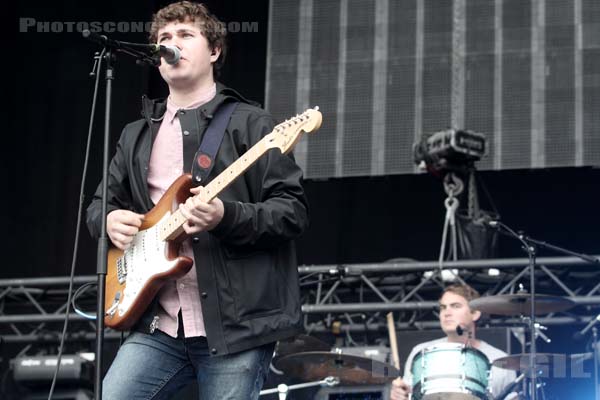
[(153, 110)]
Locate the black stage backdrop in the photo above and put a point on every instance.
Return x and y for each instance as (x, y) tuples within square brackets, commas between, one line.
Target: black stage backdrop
[(353, 219), (48, 93)]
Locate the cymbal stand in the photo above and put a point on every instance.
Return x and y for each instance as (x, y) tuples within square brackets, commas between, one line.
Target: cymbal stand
[(283, 389), (595, 350)]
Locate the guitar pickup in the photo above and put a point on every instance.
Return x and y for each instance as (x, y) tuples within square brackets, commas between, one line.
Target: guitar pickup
[(122, 269)]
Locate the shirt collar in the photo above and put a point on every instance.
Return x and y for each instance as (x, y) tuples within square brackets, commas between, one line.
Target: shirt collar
[(202, 98)]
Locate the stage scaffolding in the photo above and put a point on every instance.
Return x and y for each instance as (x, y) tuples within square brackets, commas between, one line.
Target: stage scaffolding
[(335, 298)]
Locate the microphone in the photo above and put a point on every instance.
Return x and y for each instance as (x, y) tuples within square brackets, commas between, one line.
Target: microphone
[(460, 331), (579, 335), (171, 54)]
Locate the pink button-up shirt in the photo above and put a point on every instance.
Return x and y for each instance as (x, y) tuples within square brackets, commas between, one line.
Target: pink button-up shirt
[(166, 165)]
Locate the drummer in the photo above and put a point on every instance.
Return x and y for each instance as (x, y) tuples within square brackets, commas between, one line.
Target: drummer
[(458, 323)]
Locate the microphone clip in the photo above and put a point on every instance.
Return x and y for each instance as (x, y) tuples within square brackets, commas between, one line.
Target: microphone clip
[(459, 330)]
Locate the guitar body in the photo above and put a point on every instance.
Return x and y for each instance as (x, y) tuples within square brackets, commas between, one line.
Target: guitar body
[(135, 276)]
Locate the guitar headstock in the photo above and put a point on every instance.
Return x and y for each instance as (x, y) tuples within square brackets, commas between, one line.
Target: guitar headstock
[(286, 134)]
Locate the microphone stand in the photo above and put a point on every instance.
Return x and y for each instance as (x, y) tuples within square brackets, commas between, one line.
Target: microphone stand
[(595, 350), (527, 241), (585, 257), (591, 326), (103, 241), (531, 252), (592, 260)]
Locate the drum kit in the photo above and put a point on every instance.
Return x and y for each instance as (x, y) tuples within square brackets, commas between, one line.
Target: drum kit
[(449, 371)]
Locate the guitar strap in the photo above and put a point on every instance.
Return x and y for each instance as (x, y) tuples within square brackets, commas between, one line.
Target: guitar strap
[(204, 160)]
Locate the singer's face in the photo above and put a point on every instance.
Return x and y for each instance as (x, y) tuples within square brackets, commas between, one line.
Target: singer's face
[(197, 58), (454, 311)]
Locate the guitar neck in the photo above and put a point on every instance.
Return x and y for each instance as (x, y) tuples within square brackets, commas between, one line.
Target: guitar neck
[(173, 226)]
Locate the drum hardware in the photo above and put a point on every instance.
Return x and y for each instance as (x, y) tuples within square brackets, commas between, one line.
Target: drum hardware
[(539, 328), (525, 306), (519, 304), (579, 335), (546, 304), (520, 362), (510, 388), (595, 351), (283, 389), (298, 344), (348, 369)]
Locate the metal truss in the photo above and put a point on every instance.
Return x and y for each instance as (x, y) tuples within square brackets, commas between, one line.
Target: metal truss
[(335, 298), (356, 297), (32, 311)]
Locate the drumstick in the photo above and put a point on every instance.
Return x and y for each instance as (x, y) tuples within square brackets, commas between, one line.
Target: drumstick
[(393, 342)]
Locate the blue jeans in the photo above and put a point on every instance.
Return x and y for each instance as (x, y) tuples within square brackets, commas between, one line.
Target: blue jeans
[(157, 366)]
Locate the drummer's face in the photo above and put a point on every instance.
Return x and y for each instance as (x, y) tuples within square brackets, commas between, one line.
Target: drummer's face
[(454, 311)]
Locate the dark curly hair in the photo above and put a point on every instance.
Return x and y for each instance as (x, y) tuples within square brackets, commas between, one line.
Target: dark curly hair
[(186, 11)]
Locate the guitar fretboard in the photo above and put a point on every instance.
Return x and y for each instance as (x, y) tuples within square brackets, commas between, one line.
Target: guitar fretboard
[(173, 226)]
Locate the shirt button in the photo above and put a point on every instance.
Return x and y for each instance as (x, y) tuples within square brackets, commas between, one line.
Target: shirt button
[(195, 239), (204, 295), (213, 351), (181, 112), (186, 133), (181, 286)]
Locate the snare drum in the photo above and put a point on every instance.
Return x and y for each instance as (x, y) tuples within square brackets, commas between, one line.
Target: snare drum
[(450, 371)]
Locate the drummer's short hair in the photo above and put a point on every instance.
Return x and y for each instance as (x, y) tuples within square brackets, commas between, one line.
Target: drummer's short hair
[(463, 290)]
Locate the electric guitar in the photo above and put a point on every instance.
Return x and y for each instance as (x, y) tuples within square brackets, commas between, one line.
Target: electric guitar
[(135, 276)]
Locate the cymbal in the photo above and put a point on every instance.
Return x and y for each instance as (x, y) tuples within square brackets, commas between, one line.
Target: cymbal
[(519, 362), (298, 344), (520, 304), (349, 369)]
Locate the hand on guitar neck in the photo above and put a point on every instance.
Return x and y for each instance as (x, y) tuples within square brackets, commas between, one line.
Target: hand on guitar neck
[(200, 215)]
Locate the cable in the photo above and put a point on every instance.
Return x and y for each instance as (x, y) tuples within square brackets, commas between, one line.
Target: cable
[(76, 295), (78, 227)]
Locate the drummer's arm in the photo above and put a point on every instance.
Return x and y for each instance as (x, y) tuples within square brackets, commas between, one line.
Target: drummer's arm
[(400, 390)]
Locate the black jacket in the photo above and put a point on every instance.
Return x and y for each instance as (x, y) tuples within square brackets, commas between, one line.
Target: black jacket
[(246, 266)]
